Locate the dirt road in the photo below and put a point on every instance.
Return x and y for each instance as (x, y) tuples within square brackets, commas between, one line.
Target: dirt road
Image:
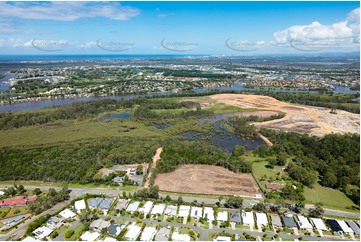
[(299, 118), (156, 157)]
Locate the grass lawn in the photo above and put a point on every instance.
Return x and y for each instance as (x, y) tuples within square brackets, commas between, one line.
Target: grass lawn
[(259, 169), (23, 210), (220, 108), (331, 198), (77, 232)]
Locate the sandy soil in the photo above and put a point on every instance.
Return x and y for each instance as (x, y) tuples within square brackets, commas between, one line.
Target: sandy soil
[(299, 118), (156, 158), (206, 179)]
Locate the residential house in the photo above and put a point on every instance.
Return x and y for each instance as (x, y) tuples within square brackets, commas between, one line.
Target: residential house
[(303, 222), (180, 237), (133, 232), (148, 234), (353, 226), (247, 218), (183, 211), (66, 214), (147, 208), (171, 211), (54, 222), (222, 216), (42, 232), (208, 213), (133, 207), (115, 229), (261, 219), (196, 212), (288, 221), (236, 217), (90, 236), (80, 205), (122, 204), (162, 235), (276, 221), (158, 209), (319, 224), (99, 224)]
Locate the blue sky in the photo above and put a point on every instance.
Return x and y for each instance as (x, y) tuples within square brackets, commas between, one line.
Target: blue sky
[(231, 28)]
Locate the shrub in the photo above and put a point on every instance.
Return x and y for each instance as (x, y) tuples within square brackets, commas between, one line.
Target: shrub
[(68, 233)]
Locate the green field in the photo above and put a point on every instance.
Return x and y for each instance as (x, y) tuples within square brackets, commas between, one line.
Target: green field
[(331, 198)]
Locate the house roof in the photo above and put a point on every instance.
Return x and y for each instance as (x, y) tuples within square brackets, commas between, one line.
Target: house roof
[(333, 225), (42, 232), (180, 237), (148, 234), (133, 206), (67, 214), (274, 186), (354, 227), (261, 219), (303, 222), (99, 224), (289, 221), (183, 211), (276, 220), (208, 213), (319, 224), (147, 207), (222, 216), (19, 201), (196, 212), (222, 238), (133, 232), (109, 239), (236, 217), (95, 202), (171, 210), (158, 209), (122, 204), (80, 205), (115, 229), (30, 239), (106, 203), (90, 236), (344, 226), (162, 235), (118, 179), (13, 220), (247, 217)]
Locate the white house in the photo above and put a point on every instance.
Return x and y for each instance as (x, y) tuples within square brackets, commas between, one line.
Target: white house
[(133, 207), (147, 207), (196, 212), (80, 205), (261, 219), (133, 232), (89, 236), (319, 224), (180, 237), (148, 234), (222, 238), (183, 211), (303, 222), (344, 226), (42, 232), (247, 218), (208, 213), (222, 216), (158, 209), (67, 214), (171, 210)]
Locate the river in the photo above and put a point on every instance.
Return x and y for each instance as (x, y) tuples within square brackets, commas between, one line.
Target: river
[(35, 105)]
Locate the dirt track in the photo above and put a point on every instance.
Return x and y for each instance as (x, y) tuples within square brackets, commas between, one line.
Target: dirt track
[(207, 179), (156, 157), (299, 118)]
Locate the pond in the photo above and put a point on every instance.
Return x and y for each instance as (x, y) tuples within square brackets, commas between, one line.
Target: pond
[(162, 126), (223, 139), (116, 116)]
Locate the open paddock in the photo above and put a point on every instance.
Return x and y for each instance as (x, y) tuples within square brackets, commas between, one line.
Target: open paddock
[(207, 179)]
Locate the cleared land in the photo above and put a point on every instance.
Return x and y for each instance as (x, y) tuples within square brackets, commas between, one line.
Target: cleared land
[(299, 118), (205, 179)]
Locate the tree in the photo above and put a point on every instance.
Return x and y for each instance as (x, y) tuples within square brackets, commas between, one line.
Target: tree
[(180, 200), (139, 170), (68, 233), (281, 159), (52, 192), (234, 202), (318, 211), (167, 198), (37, 191), (239, 150), (20, 189), (260, 207)]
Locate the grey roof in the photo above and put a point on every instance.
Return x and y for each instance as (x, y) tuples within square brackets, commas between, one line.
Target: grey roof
[(122, 204), (99, 224), (118, 179), (114, 229), (95, 202), (106, 203), (235, 217), (276, 220), (13, 220), (289, 221), (353, 226), (162, 235)]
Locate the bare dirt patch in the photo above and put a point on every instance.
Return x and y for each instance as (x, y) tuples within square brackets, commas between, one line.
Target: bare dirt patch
[(299, 118), (206, 179)]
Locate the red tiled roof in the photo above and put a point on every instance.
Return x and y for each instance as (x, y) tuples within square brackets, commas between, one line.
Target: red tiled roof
[(274, 187), (20, 201)]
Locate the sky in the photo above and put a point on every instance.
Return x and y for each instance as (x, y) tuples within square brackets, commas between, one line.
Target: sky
[(212, 28)]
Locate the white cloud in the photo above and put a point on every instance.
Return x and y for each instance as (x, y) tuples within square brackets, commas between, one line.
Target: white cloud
[(88, 44), (34, 43), (341, 33), (67, 11)]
